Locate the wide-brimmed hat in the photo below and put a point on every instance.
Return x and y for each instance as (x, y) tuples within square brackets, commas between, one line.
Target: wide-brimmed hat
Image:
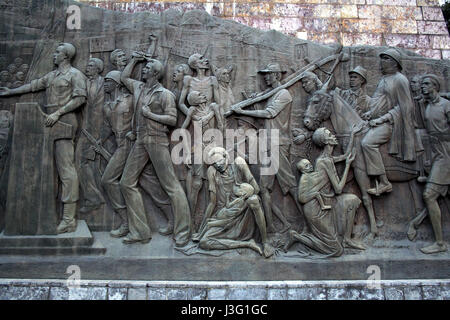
[(272, 67), (361, 71), (394, 54)]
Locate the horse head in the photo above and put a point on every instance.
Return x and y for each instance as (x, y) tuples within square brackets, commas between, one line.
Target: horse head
[(318, 110)]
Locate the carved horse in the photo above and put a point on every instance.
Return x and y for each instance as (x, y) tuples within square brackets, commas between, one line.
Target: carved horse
[(329, 105)]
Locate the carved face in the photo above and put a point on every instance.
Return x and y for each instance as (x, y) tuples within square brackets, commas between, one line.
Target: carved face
[(221, 164), (91, 69), (319, 109), (121, 59), (109, 86), (356, 81), (387, 63), (305, 166), (415, 84), (59, 55), (12, 68), (5, 119), (20, 76), (427, 87), (4, 76), (309, 85), (24, 68), (178, 74), (330, 138), (202, 63), (270, 78), (147, 71), (224, 74), (18, 62)]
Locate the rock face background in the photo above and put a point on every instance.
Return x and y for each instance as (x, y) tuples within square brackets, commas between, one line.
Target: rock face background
[(417, 25), (31, 30)]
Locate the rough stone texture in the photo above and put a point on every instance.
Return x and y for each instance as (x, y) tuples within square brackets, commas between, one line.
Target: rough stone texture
[(217, 294), (393, 294), (117, 293), (431, 293), (137, 294), (176, 294), (23, 293), (322, 20), (413, 293), (197, 293), (247, 293), (210, 290), (307, 294), (82, 293), (157, 294), (277, 294)]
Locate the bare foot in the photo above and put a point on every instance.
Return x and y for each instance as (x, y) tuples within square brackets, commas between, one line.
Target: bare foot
[(268, 250), (434, 248), (252, 245), (412, 232)]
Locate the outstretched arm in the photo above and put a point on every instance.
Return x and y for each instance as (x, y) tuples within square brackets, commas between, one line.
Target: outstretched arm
[(4, 91)]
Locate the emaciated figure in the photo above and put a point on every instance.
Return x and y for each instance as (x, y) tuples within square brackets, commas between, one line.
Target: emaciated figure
[(324, 226), (237, 217)]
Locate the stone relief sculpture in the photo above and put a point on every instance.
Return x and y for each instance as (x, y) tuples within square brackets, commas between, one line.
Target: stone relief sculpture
[(118, 115), (356, 95), (324, 182), (437, 123), (391, 118), (234, 210), (209, 88), (155, 110), (276, 116), (89, 161), (396, 135), (66, 91), (343, 118)]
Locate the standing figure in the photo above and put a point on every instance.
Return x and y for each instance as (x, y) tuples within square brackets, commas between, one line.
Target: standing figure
[(324, 225), (88, 160), (276, 115), (66, 91), (154, 111), (209, 87), (437, 123), (234, 208), (424, 159), (356, 96), (118, 115), (391, 118)]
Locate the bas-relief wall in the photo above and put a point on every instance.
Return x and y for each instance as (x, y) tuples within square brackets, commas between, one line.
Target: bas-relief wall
[(417, 25)]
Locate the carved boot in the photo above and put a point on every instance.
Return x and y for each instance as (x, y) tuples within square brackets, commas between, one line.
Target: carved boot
[(123, 230), (68, 223)]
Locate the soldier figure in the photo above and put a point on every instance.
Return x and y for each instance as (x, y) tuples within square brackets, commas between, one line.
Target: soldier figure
[(437, 123), (118, 114), (391, 118), (356, 96), (277, 116), (66, 91), (88, 161)]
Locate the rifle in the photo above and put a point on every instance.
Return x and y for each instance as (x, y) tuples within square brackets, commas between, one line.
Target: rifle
[(103, 152), (292, 79)]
